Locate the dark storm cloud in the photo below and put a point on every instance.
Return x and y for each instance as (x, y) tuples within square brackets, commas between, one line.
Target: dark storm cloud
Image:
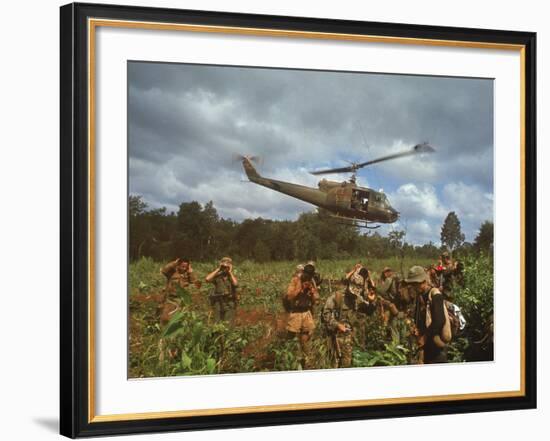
[(187, 122)]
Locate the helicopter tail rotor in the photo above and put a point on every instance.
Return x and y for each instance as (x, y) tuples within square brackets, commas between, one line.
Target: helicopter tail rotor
[(253, 158)]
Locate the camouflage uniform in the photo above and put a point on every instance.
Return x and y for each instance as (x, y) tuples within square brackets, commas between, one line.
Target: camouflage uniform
[(447, 277), (176, 276), (223, 298), (301, 298), (388, 290), (388, 287), (343, 308)]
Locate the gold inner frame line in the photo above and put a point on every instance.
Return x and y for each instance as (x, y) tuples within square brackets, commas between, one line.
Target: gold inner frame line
[(92, 25)]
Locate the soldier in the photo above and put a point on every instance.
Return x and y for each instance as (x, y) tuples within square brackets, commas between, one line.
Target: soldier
[(446, 272), (359, 280), (316, 275), (433, 276), (429, 316), (388, 291), (224, 296), (301, 296), (339, 317), (178, 273)]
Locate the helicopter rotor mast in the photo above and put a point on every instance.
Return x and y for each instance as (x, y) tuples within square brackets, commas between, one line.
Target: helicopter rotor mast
[(354, 166)]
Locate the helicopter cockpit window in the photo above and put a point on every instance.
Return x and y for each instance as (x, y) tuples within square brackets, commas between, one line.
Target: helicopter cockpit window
[(382, 199)]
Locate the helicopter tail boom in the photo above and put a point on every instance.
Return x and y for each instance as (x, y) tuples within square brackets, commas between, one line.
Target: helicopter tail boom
[(249, 169), (306, 194)]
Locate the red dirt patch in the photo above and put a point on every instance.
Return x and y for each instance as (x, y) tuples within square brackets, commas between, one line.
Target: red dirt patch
[(245, 317)]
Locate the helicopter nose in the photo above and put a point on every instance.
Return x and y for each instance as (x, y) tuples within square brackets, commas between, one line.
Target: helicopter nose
[(394, 215)]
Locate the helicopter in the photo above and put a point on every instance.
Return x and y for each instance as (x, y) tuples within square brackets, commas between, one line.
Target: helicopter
[(346, 201)]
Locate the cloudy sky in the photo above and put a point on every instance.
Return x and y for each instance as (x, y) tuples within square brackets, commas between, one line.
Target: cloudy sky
[(187, 123)]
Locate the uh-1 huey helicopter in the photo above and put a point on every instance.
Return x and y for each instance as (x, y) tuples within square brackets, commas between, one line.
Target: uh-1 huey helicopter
[(355, 205)]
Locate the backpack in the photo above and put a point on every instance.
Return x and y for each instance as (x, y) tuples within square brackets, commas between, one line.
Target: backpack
[(458, 322), (454, 319)]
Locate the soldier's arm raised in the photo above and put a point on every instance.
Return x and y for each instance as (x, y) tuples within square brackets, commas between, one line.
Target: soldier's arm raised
[(348, 275), (210, 277), (294, 288)]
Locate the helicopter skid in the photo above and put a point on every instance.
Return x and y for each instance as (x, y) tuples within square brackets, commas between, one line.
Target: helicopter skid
[(351, 222)]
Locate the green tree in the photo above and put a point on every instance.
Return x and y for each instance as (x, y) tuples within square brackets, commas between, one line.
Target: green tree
[(139, 226), (451, 234), (261, 252), (396, 239), (484, 239)]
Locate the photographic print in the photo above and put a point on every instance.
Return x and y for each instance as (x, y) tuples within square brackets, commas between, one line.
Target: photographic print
[(285, 219), (253, 206)]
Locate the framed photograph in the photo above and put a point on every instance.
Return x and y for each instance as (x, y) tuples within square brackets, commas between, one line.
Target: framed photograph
[(274, 220)]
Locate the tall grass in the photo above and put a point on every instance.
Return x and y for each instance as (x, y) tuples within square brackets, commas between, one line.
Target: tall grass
[(194, 344)]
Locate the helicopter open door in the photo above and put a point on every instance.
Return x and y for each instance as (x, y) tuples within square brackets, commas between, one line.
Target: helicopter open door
[(360, 200)]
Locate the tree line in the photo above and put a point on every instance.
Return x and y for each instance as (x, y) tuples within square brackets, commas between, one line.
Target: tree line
[(197, 232)]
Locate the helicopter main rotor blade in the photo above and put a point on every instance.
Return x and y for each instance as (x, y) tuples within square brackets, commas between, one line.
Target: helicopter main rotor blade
[(417, 149), (333, 170)]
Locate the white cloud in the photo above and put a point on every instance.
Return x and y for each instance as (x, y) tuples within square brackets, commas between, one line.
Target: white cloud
[(186, 122), (417, 201), (469, 201)]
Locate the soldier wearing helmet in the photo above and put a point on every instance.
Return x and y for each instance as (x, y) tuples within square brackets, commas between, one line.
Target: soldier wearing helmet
[(301, 297), (224, 295), (429, 316)]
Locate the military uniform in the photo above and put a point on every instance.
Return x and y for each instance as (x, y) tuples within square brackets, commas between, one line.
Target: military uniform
[(356, 284), (388, 288), (342, 309), (388, 292), (446, 276), (429, 317), (176, 276), (301, 297), (223, 297)]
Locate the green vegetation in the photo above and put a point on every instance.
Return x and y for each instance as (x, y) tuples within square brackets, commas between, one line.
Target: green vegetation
[(197, 232), (192, 343)]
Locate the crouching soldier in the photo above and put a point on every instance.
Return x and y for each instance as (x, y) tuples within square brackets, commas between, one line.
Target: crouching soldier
[(301, 296), (178, 273), (224, 296), (339, 317)]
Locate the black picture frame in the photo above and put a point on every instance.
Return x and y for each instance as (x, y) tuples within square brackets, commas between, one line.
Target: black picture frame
[(75, 418)]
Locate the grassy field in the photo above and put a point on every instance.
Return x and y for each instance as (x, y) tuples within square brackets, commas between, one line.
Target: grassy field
[(192, 343)]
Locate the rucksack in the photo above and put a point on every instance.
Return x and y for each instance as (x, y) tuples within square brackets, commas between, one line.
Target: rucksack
[(458, 322), (454, 319)]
